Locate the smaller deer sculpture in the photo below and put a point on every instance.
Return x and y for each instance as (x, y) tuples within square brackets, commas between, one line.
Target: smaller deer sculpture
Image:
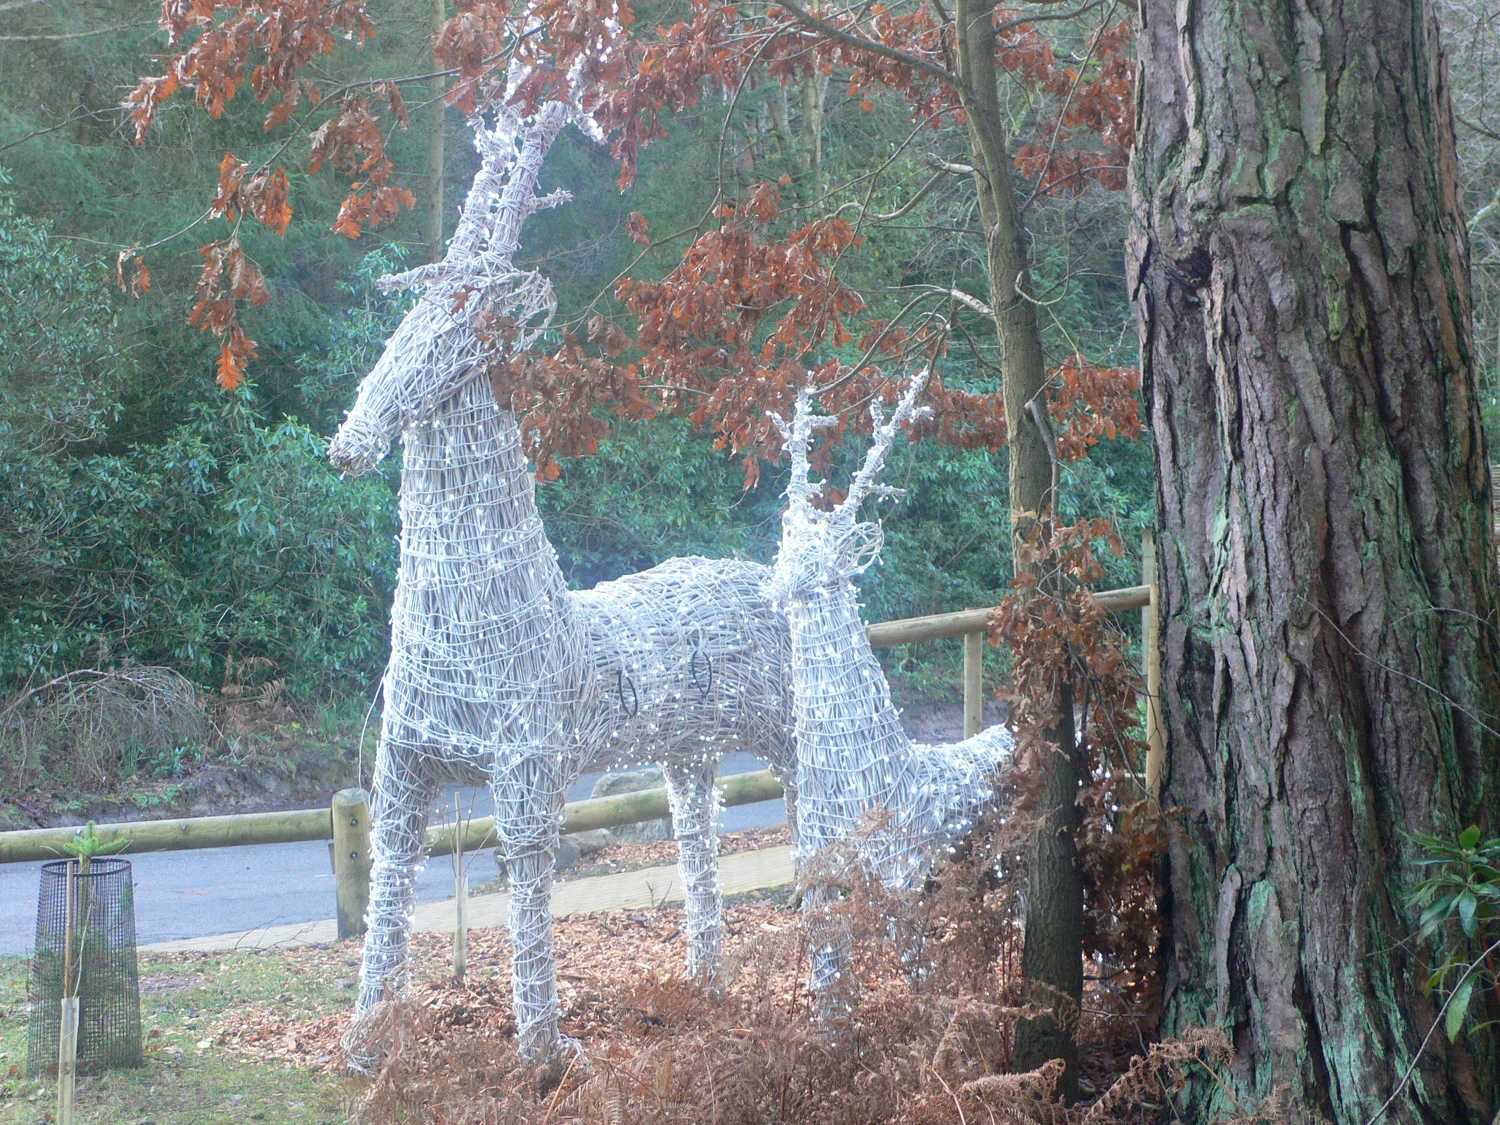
[(855, 763)]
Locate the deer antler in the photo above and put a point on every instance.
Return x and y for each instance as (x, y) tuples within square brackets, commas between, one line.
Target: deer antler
[(500, 200), (797, 437), (885, 430)]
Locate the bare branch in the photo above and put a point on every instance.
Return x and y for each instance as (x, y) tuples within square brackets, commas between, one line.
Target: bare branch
[(1021, 21), (870, 351), (952, 168), (901, 212), (1486, 211), (966, 299), (860, 43), (76, 34)]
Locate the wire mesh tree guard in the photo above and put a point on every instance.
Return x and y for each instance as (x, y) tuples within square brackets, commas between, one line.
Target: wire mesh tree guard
[(102, 964)]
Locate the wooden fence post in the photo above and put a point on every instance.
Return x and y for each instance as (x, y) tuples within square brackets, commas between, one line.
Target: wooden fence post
[(1151, 658), (351, 858), (973, 684)]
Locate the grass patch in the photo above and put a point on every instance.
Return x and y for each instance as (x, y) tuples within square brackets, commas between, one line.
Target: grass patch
[(187, 1079)]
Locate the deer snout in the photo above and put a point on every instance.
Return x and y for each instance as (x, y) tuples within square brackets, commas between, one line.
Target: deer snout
[(356, 448)]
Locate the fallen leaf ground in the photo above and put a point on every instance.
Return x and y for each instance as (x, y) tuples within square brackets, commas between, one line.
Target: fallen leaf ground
[(186, 1078), (253, 1036)]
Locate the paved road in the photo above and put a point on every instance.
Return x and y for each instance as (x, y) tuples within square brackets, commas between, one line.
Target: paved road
[(220, 890)]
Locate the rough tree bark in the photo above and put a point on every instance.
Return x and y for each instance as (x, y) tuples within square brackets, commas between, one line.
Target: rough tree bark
[(1299, 264), (1053, 952)]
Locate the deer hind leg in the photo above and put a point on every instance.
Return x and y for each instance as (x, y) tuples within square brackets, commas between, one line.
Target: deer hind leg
[(528, 810), (831, 980), (695, 822), (404, 789)]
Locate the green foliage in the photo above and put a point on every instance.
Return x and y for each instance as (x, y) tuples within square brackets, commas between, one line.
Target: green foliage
[(147, 517), (652, 492), (947, 543), (228, 536), (1462, 893), (86, 844), (231, 537), (658, 490)]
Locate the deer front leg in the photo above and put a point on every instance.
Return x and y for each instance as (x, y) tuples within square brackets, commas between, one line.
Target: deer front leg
[(788, 779), (400, 806), (695, 822), (830, 942), (528, 810), (402, 800)]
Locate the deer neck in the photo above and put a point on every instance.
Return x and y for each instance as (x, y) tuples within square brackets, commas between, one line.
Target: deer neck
[(468, 498), (854, 758), (849, 734)]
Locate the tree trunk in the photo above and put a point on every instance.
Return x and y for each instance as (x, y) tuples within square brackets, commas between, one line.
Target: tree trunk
[(1300, 269), (434, 213), (1052, 956), (810, 156)]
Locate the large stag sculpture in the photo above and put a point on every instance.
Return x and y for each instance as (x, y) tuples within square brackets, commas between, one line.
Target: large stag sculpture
[(498, 673), (855, 763)]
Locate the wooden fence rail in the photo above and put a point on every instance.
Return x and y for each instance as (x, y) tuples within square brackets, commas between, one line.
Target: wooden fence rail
[(318, 824), (973, 624)]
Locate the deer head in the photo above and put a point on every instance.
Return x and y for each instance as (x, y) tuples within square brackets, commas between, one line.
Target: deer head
[(822, 549), (435, 352)]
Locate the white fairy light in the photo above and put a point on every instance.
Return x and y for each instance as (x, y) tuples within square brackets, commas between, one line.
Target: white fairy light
[(853, 758), (498, 673)]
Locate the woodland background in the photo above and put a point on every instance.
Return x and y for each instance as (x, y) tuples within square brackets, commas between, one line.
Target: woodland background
[(150, 517), (1325, 693)]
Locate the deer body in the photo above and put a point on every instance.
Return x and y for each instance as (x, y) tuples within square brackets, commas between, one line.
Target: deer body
[(499, 674), (854, 758)]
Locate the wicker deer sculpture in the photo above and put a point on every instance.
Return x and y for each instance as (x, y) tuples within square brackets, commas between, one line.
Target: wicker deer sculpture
[(499, 674), (861, 781)]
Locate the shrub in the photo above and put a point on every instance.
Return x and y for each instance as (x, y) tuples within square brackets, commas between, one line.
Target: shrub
[(91, 728)]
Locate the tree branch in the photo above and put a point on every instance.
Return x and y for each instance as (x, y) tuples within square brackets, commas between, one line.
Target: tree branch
[(1021, 21), (905, 209), (949, 166), (968, 300), (860, 43), (1486, 211), (75, 34)]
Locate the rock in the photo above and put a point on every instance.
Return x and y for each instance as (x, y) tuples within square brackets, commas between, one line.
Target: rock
[(633, 781), (570, 849), (577, 845)]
